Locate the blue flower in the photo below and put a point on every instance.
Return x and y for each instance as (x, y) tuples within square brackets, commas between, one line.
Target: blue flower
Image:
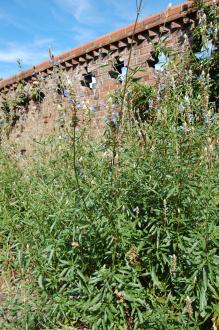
[(151, 103), (54, 62), (115, 114), (114, 121), (78, 104), (136, 210), (66, 92), (115, 118), (93, 109), (206, 117), (191, 117), (70, 101), (181, 107)]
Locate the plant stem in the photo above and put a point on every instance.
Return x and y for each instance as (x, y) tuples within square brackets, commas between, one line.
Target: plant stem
[(75, 166), (138, 7)]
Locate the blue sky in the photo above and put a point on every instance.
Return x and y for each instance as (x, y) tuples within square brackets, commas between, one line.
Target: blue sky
[(30, 27)]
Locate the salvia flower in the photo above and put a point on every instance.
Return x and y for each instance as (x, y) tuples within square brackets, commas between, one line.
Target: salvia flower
[(181, 107), (136, 210), (26, 88), (71, 101), (206, 117), (191, 117), (115, 114), (93, 109), (150, 103), (54, 62), (66, 92), (78, 104), (115, 118)]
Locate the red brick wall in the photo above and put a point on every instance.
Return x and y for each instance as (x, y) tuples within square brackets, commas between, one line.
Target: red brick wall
[(96, 56)]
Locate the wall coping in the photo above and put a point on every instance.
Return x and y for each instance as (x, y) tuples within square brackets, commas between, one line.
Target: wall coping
[(168, 15)]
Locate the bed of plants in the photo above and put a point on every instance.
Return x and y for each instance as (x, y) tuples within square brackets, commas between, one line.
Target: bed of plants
[(121, 233)]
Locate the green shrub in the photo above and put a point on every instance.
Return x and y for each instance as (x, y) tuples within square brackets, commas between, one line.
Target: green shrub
[(21, 97), (134, 248), (120, 235)]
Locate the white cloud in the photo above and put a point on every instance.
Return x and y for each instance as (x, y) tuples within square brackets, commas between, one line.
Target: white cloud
[(8, 19), (41, 42), (29, 54), (126, 10), (89, 11), (82, 35), (84, 11), (75, 8), (28, 57)]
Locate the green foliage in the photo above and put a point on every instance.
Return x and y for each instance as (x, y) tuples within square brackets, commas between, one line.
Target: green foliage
[(205, 38), (21, 96), (9, 117), (139, 99), (36, 93), (120, 235), (140, 255), (5, 108)]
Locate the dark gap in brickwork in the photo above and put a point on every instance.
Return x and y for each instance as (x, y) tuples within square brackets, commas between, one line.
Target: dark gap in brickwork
[(119, 70), (153, 60), (119, 65), (89, 80)]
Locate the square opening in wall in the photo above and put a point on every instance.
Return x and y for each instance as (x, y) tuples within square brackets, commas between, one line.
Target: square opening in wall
[(89, 80), (119, 70), (158, 61)]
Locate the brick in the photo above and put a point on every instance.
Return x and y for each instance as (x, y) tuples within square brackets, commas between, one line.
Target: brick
[(145, 50), (141, 59), (41, 123)]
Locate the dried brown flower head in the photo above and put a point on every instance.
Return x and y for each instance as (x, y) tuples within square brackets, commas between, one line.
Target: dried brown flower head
[(74, 244), (133, 255)]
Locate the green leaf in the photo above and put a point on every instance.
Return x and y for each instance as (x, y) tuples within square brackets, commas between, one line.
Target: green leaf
[(95, 307), (202, 301), (82, 276), (40, 281)]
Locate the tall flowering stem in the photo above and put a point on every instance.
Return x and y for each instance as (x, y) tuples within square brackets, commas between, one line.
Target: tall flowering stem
[(71, 99), (117, 135), (138, 11)]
